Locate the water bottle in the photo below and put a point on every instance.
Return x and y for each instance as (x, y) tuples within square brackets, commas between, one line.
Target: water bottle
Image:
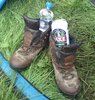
[(46, 15), (60, 32)]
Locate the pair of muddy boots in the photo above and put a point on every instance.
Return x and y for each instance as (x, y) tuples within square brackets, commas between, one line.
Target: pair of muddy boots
[(63, 59)]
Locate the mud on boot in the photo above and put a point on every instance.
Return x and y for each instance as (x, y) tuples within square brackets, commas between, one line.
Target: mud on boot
[(34, 41)]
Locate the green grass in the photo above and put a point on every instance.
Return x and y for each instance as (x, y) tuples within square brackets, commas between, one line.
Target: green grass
[(80, 15)]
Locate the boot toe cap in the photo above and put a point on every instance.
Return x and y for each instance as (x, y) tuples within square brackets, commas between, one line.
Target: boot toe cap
[(18, 62), (68, 82), (71, 89)]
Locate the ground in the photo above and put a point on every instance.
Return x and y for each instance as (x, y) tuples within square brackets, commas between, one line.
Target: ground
[(80, 15)]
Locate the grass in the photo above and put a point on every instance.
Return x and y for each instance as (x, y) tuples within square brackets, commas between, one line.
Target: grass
[(80, 15)]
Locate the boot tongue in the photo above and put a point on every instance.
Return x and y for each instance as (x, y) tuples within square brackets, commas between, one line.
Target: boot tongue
[(31, 32), (32, 38), (27, 40)]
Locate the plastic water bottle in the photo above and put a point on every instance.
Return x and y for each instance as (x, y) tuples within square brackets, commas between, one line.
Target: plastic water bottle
[(46, 15), (60, 32)]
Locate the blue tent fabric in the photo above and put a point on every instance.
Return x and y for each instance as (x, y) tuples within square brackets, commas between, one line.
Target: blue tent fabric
[(2, 2), (20, 82), (93, 1)]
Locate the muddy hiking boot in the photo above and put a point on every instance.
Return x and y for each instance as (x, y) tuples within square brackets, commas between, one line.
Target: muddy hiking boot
[(63, 62), (34, 42), (63, 59)]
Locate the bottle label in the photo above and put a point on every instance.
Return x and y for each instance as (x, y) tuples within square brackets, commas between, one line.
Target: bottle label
[(59, 36), (43, 25)]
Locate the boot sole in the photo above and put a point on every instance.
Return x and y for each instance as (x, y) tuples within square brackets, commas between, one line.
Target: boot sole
[(19, 69), (68, 94)]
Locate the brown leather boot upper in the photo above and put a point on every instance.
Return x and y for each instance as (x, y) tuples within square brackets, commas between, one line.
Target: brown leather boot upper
[(34, 42), (63, 59)]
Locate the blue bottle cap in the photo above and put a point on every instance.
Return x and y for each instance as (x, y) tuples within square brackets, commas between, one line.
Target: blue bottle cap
[(49, 5)]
